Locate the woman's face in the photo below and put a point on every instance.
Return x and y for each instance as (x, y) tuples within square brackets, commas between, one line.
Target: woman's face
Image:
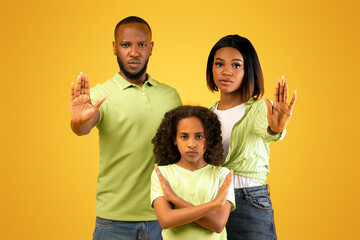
[(228, 69)]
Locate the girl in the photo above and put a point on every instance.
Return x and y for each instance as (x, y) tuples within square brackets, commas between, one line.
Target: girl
[(188, 151), (248, 125)]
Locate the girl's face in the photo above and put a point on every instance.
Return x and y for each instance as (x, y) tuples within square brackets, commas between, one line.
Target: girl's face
[(228, 69), (190, 140)]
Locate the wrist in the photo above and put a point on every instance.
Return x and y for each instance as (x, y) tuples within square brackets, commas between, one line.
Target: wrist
[(174, 199), (215, 204), (271, 132)]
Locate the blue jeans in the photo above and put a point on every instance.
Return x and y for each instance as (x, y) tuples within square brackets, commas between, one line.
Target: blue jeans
[(253, 218), (120, 230)]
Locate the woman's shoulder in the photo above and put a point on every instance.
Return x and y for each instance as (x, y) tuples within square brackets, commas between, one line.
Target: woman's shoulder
[(213, 107), (256, 105)]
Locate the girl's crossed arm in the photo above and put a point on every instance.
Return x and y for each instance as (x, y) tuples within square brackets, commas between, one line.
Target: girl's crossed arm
[(212, 216)]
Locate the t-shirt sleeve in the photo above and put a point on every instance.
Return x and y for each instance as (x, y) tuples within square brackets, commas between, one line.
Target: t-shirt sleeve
[(231, 195), (261, 124), (156, 190), (179, 102)]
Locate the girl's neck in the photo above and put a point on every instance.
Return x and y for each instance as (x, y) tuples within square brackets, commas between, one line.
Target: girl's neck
[(230, 100), (191, 166)]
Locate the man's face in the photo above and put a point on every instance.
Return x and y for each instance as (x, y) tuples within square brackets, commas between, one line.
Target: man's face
[(133, 48)]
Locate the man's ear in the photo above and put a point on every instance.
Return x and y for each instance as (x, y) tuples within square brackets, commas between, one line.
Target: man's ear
[(152, 45), (114, 47)]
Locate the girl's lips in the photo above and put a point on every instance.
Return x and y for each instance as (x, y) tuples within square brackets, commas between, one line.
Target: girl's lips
[(191, 153)]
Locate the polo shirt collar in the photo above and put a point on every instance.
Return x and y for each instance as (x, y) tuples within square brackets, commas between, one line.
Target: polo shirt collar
[(123, 83)]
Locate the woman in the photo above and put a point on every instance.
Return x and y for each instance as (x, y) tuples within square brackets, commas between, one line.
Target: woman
[(249, 124)]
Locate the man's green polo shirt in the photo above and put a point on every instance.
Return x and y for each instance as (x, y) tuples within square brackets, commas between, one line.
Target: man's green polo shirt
[(129, 118)]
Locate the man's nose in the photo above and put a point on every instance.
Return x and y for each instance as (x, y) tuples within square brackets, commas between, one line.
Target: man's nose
[(134, 51)]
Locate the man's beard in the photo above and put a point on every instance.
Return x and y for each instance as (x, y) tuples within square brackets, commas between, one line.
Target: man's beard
[(131, 75)]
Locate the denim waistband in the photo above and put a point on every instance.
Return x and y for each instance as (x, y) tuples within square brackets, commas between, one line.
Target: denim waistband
[(253, 191)]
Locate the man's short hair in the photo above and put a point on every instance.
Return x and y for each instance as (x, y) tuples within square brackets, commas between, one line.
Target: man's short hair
[(132, 19)]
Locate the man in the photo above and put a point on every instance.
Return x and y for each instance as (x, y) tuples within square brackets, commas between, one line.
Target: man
[(127, 121)]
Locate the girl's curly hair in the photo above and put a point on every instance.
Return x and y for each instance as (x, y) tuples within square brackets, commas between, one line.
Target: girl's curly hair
[(166, 152)]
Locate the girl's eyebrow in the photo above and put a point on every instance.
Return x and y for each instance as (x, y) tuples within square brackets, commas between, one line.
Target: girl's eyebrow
[(188, 133)]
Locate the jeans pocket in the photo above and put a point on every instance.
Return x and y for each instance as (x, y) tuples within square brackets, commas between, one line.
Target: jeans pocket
[(105, 223), (262, 202)]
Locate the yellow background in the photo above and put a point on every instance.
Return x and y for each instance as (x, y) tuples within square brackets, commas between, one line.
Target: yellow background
[(48, 175)]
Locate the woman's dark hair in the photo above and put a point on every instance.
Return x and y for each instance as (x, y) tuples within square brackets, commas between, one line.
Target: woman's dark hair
[(253, 82), (166, 152)]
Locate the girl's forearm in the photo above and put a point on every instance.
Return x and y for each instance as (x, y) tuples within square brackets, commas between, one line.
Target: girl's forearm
[(214, 221), (169, 217)]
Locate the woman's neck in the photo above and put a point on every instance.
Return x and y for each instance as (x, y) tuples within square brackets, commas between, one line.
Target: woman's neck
[(229, 100)]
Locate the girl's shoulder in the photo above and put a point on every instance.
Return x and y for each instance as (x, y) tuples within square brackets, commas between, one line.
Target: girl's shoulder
[(219, 172), (219, 169), (166, 168)]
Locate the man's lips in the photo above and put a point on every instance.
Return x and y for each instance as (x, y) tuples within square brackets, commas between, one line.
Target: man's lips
[(134, 63)]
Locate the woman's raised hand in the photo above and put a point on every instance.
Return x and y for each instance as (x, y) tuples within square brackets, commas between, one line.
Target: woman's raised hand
[(279, 113)]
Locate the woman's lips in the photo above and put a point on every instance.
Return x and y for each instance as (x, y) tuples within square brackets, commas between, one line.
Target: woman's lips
[(225, 81)]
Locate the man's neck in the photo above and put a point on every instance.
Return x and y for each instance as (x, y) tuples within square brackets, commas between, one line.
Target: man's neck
[(139, 81)]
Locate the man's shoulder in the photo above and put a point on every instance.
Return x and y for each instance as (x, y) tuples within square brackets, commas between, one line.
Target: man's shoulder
[(162, 86), (106, 84)]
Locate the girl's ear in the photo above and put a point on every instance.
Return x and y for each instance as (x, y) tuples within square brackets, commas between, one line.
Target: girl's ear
[(174, 139)]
